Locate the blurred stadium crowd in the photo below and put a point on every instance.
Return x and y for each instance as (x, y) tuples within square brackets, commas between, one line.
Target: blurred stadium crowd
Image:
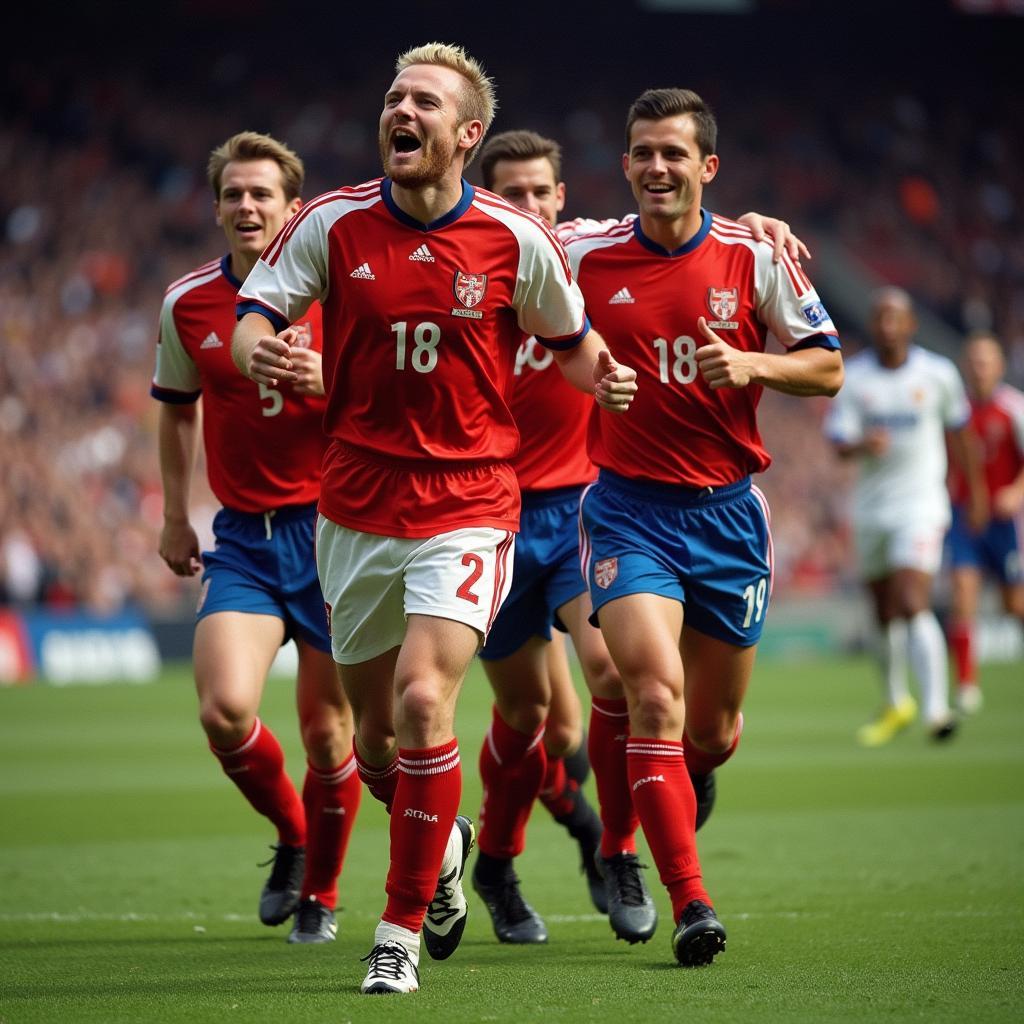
[(104, 202)]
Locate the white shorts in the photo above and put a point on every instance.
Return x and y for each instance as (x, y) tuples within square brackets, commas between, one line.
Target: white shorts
[(371, 584), (882, 550)]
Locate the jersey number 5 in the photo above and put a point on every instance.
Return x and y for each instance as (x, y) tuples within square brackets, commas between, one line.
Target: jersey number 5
[(274, 397)]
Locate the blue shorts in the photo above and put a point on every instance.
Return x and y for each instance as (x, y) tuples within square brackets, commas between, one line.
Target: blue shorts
[(545, 572), (997, 549), (264, 564), (709, 549)]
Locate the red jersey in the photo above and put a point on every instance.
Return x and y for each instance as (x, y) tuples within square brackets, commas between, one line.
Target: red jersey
[(264, 446), (645, 302), (552, 416), (999, 425), (421, 327)]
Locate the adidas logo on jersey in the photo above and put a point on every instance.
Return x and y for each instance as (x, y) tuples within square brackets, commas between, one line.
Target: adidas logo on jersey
[(212, 341), (621, 296), (363, 273), (422, 255)]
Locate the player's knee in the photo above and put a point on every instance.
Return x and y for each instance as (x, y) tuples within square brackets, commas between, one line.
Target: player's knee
[(422, 706), (525, 716), (561, 738), (602, 676), (226, 724), (714, 737), (326, 739), (654, 711)]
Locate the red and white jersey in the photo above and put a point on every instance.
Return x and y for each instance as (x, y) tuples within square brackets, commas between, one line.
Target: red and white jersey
[(264, 446), (421, 327), (645, 302), (552, 416), (999, 425)]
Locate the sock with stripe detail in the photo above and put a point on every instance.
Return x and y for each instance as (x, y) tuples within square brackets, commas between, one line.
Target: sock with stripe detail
[(331, 799), (512, 769), (665, 802), (606, 747), (256, 767), (422, 815)]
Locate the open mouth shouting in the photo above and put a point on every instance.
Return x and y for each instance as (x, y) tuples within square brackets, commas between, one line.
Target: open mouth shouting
[(403, 141)]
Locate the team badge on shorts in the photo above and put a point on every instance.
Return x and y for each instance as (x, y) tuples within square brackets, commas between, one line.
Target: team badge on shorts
[(606, 572), (723, 303), (469, 290)]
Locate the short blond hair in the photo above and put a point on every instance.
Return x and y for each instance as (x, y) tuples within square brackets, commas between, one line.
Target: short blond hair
[(254, 146), (478, 101)]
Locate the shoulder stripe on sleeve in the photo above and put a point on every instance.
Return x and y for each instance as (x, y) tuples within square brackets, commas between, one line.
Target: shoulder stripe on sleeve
[(357, 193), (484, 200), (197, 276), (801, 285), (731, 227)]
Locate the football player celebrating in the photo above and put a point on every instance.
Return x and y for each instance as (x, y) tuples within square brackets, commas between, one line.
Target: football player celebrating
[(427, 287), (676, 541)]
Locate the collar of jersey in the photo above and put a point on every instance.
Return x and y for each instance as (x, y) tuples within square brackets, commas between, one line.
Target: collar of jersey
[(225, 269), (660, 250), (411, 222)]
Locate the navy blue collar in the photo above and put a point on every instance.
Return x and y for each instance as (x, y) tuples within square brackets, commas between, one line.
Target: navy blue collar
[(450, 217), (225, 269), (660, 250)]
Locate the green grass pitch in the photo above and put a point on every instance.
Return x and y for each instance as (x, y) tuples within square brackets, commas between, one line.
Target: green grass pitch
[(856, 885)]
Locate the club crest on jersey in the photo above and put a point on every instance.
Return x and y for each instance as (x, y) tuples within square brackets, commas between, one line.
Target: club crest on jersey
[(723, 303), (606, 572), (469, 290)]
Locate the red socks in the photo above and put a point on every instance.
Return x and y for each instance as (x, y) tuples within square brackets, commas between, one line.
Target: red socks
[(606, 747), (512, 768), (700, 762), (256, 767), (426, 801), (961, 643), (381, 782), (557, 791), (664, 800), (331, 799)]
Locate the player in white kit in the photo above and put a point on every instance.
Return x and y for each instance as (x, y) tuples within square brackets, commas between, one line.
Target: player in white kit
[(892, 415)]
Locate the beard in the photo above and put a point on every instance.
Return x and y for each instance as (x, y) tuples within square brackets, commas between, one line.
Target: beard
[(435, 158)]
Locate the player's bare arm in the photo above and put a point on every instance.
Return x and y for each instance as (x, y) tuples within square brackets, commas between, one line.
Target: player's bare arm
[(260, 354), (178, 436), (590, 368), (308, 364), (779, 233), (963, 448), (810, 371)]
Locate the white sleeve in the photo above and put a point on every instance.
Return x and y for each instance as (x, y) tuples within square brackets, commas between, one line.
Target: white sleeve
[(1016, 408), (787, 303), (956, 409), (844, 422), (292, 272), (548, 301), (175, 368)]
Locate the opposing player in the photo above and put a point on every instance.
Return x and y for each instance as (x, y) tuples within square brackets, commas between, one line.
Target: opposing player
[(899, 403), (997, 418), (263, 450), (427, 287), (676, 543)]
